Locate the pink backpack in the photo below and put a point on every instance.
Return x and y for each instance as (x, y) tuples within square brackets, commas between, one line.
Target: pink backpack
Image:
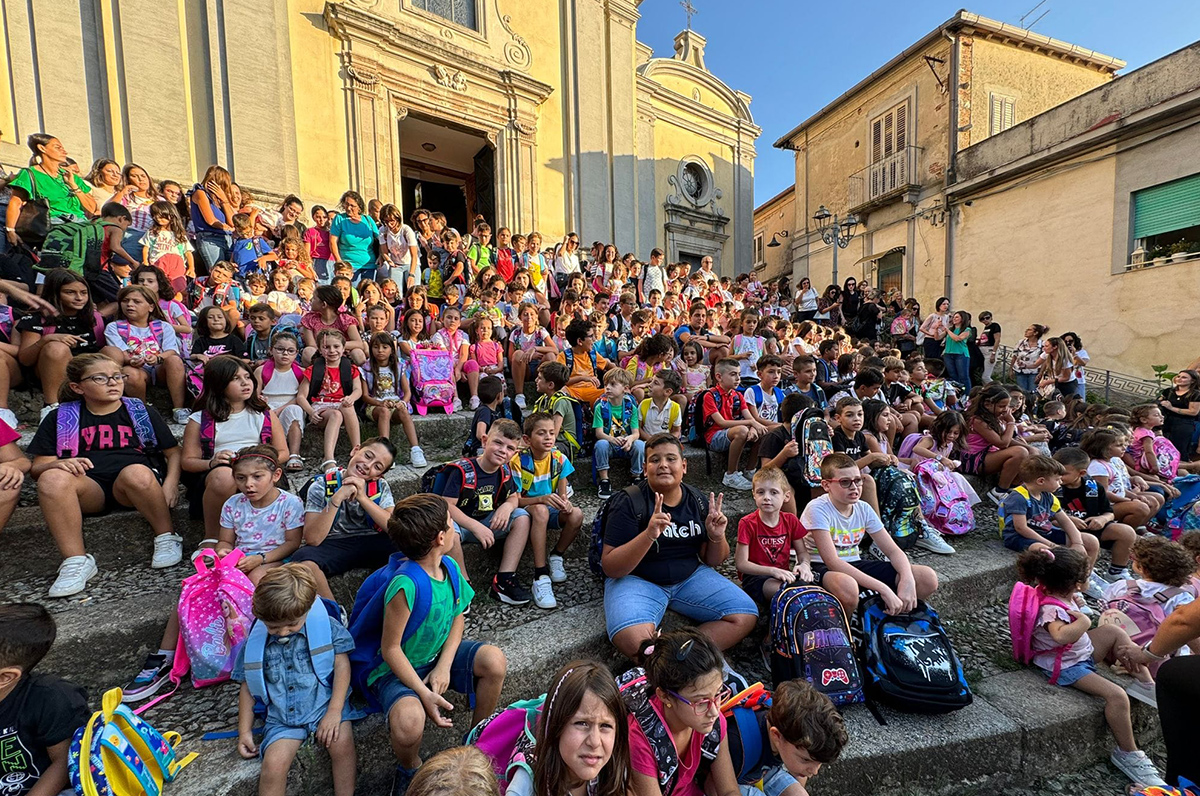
[(1024, 605), (1139, 615), (433, 379), (508, 738), (215, 616), (943, 501), (1166, 459)]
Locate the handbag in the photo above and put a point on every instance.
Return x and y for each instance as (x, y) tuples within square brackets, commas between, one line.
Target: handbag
[(33, 224)]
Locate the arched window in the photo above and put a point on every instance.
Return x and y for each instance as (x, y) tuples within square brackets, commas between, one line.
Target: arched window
[(460, 12)]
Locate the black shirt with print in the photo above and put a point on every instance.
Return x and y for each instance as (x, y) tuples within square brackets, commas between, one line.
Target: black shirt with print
[(855, 447), (491, 489), (81, 327), (215, 346), (108, 441), (675, 555), (39, 713)]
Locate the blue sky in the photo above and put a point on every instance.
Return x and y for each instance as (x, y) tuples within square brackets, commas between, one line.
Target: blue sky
[(794, 56)]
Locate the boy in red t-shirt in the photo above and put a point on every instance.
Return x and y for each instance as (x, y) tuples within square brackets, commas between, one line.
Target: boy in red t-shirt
[(330, 404), (766, 537), (728, 423)]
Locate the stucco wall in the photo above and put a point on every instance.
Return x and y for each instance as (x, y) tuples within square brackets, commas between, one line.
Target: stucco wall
[(777, 216)]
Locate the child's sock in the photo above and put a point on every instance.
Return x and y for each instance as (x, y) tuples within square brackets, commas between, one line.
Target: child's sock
[(1113, 569), (540, 571), (169, 655)]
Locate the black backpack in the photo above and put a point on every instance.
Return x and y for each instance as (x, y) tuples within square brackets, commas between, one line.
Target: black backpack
[(641, 513), (908, 661), (318, 377)]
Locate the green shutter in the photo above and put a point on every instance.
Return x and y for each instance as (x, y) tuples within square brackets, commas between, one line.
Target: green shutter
[(1167, 207)]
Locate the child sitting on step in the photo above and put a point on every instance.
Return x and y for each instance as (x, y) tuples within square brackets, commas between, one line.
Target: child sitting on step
[(279, 383), (296, 661), (39, 714), (408, 670), (1066, 648), (330, 388), (1164, 575)]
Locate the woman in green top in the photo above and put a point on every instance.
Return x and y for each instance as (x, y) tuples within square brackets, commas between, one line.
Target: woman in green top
[(955, 353), (67, 194)]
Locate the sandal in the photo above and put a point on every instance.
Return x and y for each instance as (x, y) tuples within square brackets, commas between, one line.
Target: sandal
[(295, 463), (327, 465)]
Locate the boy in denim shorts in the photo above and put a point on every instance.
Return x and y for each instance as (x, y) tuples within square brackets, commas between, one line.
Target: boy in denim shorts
[(729, 425)]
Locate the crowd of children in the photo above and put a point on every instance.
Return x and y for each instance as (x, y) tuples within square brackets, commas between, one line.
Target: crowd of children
[(363, 320)]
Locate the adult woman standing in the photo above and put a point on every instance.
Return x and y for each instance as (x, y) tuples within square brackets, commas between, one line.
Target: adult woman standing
[(353, 235), (47, 177), (904, 329), (806, 300), (290, 211), (422, 224), (566, 263), (105, 178), (1180, 405), (829, 307), (934, 328), (1058, 369), (869, 315), (852, 299), (954, 349), (989, 341), (211, 211), (1027, 357), (1080, 357)]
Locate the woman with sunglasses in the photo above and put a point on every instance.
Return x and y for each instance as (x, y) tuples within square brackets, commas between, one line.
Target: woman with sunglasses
[(677, 735)]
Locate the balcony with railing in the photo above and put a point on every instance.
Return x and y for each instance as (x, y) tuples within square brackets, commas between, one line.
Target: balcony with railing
[(885, 180)]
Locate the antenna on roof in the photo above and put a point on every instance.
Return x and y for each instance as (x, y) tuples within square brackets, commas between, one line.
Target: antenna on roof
[(1029, 13)]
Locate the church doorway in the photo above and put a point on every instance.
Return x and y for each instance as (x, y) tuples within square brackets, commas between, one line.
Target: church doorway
[(447, 169)]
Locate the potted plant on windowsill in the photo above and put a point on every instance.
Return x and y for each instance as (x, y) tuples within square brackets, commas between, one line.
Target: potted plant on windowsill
[(1179, 251), (1157, 256)]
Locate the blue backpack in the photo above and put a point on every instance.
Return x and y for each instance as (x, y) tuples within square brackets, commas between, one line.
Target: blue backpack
[(908, 661), (628, 412), (569, 355), (320, 648), (810, 639), (366, 621), (755, 391)]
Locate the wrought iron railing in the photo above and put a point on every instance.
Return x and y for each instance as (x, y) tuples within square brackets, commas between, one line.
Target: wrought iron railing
[(891, 175), (1120, 388)]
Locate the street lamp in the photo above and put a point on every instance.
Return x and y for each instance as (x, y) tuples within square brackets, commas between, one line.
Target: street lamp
[(836, 232), (775, 244)]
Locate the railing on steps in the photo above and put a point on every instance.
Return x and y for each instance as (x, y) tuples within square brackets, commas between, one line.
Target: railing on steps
[(1116, 387)]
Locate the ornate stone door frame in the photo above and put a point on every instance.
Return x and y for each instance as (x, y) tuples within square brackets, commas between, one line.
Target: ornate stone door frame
[(390, 68)]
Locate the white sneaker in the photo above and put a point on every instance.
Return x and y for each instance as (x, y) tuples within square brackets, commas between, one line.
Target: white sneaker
[(7, 416), (1082, 605), (1095, 587), (737, 481), (1116, 577), (520, 400), (997, 495), (457, 406), (417, 456), (168, 551), (932, 541), (474, 403), (73, 576), (1137, 767), (47, 409), (749, 475), (180, 416), (558, 572), (543, 593), (1143, 692)]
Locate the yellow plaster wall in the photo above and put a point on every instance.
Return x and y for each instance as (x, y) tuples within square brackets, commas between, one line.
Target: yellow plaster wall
[(686, 88), (673, 143), (320, 104), (1013, 258), (776, 217)]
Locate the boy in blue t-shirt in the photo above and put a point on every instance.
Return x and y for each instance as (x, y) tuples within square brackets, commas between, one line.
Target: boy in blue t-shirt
[(542, 471), (414, 674), (615, 420)]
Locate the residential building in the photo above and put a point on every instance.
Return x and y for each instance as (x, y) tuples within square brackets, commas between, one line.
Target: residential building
[(1086, 218), (886, 148), (545, 115), (773, 223)]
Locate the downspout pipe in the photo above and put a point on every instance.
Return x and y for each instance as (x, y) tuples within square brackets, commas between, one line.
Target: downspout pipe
[(951, 164)]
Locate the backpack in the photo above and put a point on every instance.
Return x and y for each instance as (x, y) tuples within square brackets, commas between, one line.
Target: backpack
[(908, 660), (1024, 605), (525, 460), (900, 505), (1138, 615), (433, 482), (215, 615), (332, 482), (208, 433), (636, 691), (156, 330), (268, 371), (640, 513), (74, 245), (812, 435), (702, 422), (757, 391), (433, 379), (320, 649), (943, 502), (569, 356), (509, 737), (1178, 516), (116, 753), (1166, 459), (67, 432), (574, 439), (810, 639), (629, 411), (317, 380), (744, 734), (366, 620)]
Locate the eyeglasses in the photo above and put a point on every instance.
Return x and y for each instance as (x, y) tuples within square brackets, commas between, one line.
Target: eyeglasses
[(848, 483), (702, 707), (102, 379)]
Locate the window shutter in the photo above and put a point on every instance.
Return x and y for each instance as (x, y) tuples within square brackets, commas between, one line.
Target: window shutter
[(1003, 113), (1009, 113), (877, 140), (1166, 208), (901, 126)]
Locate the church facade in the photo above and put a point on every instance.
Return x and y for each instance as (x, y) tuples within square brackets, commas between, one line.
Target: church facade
[(545, 115)]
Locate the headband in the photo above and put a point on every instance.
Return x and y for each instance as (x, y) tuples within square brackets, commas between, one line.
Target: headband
[(553, 696), (1049, 553), (265, 457)]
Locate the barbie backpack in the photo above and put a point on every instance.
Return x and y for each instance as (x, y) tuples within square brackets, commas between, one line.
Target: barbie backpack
[(433, 379), (215, 615), (943, 501), (508, 738), (1166, 459)]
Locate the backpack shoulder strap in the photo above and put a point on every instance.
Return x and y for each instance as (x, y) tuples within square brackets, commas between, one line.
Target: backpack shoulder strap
[(467, 468), (268, 370), (67, 430), (422, 597), (208, 434), (122, 330), (344, 371), (256, 645), (333, 482), (320, 641), (141, 422), (297, 371), (641, 512), (265, 434), (317, 380), (592, 356)]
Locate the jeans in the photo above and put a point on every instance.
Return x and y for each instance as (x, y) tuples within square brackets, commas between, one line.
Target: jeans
[(364, 273), (1027, 382), (988, 365), (213, 247), (323, 269), (958, 369), (703, 596), (605, 450)]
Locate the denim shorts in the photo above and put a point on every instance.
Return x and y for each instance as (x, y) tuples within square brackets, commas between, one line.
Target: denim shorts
[(720, 441), (1072, 674), (389, 690), (273, 731), (1015, 541), (469, 538), (775, 781), (704, 596)]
